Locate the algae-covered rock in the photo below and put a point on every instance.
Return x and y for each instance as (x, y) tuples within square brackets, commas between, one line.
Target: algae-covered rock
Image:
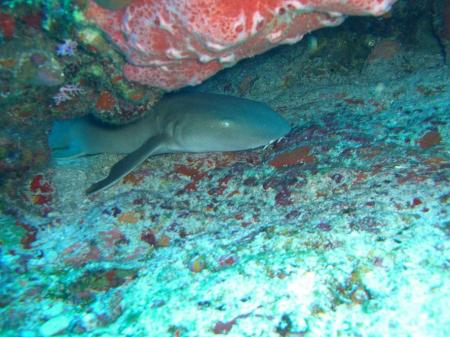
[(113, 4)]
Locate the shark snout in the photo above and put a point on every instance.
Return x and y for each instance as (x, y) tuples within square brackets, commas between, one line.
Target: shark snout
[(270, 128)]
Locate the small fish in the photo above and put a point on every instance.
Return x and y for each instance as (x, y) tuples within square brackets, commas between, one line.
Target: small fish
[(187, 122)]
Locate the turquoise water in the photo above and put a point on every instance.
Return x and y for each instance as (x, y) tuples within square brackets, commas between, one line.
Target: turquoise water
[(340, 228)]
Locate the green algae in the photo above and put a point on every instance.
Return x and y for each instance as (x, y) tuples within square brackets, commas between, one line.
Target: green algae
[(11, 234)]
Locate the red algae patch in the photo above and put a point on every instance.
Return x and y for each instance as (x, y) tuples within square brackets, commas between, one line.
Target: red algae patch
[(297, 156), (129, 217), (430, 139), (105, 101)]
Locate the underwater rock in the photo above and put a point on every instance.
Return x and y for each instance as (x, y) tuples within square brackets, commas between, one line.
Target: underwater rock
[(30, 65), (168, 45)]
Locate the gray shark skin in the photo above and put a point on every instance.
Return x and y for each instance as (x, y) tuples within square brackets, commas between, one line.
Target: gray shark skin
[(188, 122)]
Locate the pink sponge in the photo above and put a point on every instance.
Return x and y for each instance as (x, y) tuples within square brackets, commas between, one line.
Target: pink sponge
[(174, 43)]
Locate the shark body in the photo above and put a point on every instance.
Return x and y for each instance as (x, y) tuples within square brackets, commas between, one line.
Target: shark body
[(189, 122)]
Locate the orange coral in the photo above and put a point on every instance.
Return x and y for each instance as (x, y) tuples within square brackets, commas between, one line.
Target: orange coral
[(105, 101)]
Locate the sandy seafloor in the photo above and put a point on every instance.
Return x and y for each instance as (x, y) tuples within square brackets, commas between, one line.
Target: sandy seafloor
[(340, 229)]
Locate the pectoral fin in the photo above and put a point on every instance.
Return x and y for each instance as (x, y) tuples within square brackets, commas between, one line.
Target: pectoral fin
[(153, 145)]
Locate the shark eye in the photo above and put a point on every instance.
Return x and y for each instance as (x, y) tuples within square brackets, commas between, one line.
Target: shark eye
[(226, 123)]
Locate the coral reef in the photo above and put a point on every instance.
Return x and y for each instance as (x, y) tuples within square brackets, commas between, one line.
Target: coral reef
[(339, 229), (39, 60)]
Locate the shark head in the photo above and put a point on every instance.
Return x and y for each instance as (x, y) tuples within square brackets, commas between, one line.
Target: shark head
[(224, 123)]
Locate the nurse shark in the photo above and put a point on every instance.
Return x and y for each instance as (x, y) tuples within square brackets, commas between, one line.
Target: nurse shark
[(187, 122)]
